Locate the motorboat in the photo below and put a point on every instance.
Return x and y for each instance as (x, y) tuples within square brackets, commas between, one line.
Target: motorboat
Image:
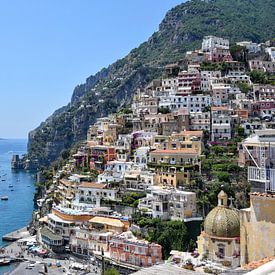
[(4, 198)]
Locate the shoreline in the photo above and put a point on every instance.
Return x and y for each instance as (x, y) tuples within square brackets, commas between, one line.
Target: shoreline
[(10, 243), (16, 235)]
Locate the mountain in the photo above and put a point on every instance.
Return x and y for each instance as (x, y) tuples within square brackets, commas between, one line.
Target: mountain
[(182, 29)]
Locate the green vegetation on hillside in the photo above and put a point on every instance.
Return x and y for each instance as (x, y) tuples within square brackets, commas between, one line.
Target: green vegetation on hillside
[(182, 29)]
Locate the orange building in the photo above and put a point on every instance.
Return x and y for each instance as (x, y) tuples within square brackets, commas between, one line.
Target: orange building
[(100, 155)]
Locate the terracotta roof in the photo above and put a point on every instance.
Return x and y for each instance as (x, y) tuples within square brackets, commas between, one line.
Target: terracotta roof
[(66, 182), (107, 221), (193, 133), (178, 152), (219, 108), (87, 184), (258, 194), (256, 264)]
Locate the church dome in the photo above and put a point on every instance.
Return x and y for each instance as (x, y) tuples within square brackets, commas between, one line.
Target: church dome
[(222, 221)]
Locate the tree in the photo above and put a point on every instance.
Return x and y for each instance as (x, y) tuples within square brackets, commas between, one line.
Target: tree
[(238, 53), (164, 110), (223, 176), (240, 131), (244, 87), (111, 271), (258, 77), (218, 150)]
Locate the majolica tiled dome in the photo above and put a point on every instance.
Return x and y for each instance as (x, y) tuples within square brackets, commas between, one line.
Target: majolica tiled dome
[(222, 221)]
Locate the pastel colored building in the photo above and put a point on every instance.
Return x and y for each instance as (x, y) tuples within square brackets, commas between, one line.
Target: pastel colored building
[(258, 228), (126, 248)]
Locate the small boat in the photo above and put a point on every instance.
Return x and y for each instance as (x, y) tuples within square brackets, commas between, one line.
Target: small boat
[(12, 189), (10, 185), (4, 262), (3, 180), (4, 198)]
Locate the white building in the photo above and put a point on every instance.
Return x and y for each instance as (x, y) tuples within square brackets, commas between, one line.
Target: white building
[(123, 147), (141, 156), (238, 76), (211, 42), (207, 77), (221, 123), (200, 121), (263, 92), (250, 46), (60, 226), (115, 169), (169, 84), (91, 193), (138, 180), (193, 103), (271, 52), (169, 204)]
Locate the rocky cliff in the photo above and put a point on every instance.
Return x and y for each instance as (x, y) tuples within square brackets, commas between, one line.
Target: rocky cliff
[(182, 29)]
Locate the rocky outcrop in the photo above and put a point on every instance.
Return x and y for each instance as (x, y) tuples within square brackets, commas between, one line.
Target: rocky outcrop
[(182, 29)]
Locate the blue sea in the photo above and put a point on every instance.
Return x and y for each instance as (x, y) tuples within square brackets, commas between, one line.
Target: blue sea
[(16, 212)]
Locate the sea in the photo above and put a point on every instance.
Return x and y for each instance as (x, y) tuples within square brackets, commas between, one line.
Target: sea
[(16, 212)]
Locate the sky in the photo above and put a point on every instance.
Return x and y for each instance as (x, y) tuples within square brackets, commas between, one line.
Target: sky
[(49, 47)]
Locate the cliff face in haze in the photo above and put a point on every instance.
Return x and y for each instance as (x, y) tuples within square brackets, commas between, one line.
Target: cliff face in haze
[(182, 29)]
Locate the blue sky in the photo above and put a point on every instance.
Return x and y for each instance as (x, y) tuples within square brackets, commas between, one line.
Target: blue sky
[(48, 47)]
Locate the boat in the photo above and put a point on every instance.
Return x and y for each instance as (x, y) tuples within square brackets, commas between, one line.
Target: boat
[(4, 262), (3, 180), (4, 198), (10, 185), (12, 190)]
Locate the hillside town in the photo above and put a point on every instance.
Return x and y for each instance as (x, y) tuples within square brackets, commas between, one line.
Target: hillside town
[(192, 157)]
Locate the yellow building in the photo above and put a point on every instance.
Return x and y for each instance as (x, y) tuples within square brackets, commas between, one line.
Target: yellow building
[(183, 140), (171, 176), (188, 139), (220, 240), (258, 228)]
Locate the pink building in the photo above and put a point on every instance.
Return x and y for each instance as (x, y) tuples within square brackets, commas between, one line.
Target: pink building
[(128, 249), (189, 82)]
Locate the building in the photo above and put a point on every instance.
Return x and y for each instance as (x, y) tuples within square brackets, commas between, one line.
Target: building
[(138, 180), (100, 155), (220, 93), (258, 228), (187, 156), (220, 240), (264, 109), (221, 123), (200, 121), (94, 236), (263, 92), (271, 52), (169, 203), (258, 153), (263, 66), (210, 43), (92, 192), (189, 82), (207, 77), (126, 248), (251, 47)]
